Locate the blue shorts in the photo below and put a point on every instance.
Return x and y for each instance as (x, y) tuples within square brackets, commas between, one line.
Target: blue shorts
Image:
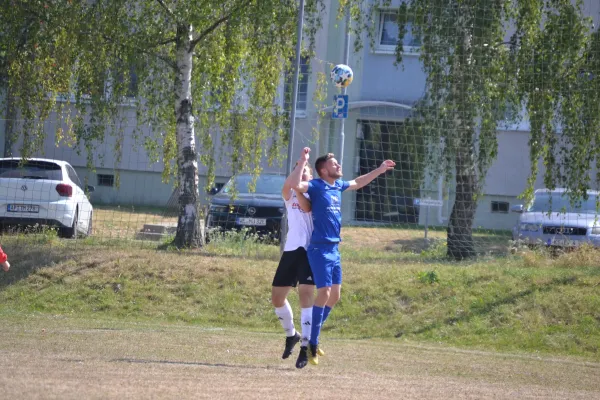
[(325, 263)]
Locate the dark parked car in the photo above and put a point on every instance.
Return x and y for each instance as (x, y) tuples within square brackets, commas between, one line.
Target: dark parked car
[(260, 209)]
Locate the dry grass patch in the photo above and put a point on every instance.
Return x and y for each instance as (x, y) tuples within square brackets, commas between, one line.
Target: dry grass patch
[(381, 239), (125, 222), (50, 357)]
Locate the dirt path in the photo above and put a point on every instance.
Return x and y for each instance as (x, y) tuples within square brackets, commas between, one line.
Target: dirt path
[(45, 358)]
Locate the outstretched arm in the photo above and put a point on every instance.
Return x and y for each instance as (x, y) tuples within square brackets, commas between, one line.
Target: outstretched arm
[(364, 180), (290, 182)]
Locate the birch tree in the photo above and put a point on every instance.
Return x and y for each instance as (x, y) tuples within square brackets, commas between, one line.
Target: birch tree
[(198, 64)]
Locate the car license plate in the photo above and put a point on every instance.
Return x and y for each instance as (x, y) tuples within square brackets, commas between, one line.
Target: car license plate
[(23, 208), (252, 221), (564, 242)]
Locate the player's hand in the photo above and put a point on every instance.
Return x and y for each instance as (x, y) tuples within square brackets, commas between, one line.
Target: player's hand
[(5, 266), (304, 154), (386, 166)]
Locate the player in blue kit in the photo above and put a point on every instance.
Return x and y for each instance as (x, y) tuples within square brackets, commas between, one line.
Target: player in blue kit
[(323, 253)]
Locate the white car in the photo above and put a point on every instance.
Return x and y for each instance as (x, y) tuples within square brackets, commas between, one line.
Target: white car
[(552, 220), (44, 192)]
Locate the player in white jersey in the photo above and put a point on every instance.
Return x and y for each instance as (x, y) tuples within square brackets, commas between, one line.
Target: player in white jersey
[(294, 268)]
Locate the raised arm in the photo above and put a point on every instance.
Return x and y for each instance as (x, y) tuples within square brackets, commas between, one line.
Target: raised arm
[(295, 178), (290, 182), (364, 180)]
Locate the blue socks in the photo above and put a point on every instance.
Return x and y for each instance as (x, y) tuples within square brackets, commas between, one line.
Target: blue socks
[(319, 316), (326, 312), (317, 320)]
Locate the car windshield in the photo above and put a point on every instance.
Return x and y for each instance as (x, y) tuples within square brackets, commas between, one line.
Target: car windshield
[(559, 202), (265, 184), (30, 170)]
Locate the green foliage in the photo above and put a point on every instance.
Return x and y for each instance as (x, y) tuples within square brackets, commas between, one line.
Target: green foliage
[(243, 243), (550, 66), (88, 64), (73, 60), (476, 80), (428, 277), (559, 55), (186, 70), (435, 250)]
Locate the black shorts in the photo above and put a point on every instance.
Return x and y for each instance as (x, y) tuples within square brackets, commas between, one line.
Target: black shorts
[(293, 268)]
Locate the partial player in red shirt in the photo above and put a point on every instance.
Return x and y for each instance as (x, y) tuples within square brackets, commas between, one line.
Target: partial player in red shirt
[(4, 261)]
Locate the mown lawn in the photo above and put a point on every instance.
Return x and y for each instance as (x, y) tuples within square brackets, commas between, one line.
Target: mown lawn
[(527, 302)]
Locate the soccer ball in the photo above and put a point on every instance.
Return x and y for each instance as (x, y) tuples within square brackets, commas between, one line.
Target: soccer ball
[(342, 75)]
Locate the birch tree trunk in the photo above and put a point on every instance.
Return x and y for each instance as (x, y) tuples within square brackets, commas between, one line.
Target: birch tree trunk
[(460, 231), (189, 232), (460, 227)]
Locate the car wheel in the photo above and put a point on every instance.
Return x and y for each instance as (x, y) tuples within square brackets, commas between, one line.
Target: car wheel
[(70, 233)]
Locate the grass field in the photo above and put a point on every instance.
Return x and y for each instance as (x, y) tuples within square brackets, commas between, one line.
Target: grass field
[(105, 318), (524, 303), (66, 357)]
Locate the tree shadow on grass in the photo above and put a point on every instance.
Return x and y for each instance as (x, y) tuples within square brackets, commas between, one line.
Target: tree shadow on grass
[(196, 363), (487, 308), (27, 256), (495, 246)]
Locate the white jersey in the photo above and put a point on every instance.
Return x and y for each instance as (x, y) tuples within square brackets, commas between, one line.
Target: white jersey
[(300, 224)]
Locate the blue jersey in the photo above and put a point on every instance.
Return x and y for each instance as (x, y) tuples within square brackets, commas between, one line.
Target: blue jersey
[(326, 202)]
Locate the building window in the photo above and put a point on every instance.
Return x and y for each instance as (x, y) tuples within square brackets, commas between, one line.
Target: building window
[(388, 35), (106, 180), (302, 99), (500, 207)]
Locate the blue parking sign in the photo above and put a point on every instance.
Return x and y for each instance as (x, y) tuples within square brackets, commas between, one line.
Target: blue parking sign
[(340, 106)]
